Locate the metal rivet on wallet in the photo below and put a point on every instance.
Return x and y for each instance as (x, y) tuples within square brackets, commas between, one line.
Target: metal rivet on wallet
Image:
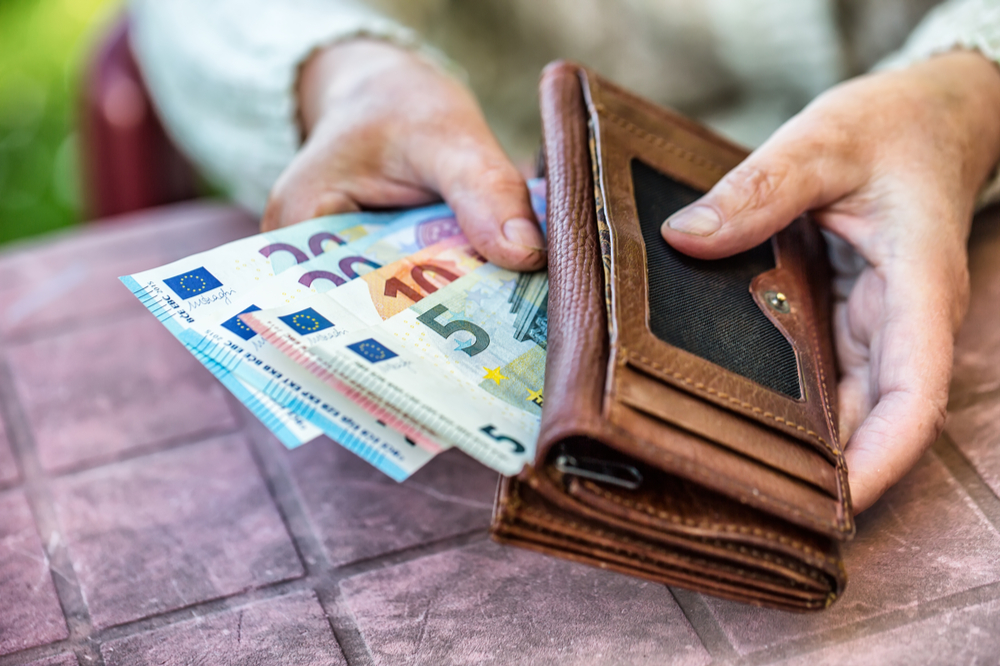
[(777, 301)]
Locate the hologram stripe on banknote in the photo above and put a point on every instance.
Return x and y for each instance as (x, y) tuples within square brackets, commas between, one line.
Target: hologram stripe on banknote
[(466, 366)]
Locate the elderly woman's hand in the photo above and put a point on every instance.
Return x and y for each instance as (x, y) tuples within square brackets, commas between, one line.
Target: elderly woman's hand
[(385, 128), (891, 163)]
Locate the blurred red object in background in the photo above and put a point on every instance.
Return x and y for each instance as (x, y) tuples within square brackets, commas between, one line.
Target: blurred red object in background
[(128, 161)]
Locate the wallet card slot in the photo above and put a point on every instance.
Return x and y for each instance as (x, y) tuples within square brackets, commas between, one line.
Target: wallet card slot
[(725, 471), (726, 429)]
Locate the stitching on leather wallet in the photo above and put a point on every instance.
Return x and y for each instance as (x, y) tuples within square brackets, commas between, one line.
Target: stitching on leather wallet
[(696, 468), (808, 552), (739, 571), (700, 386), (845, 520), (807, 604), (702, 162), (826, 387), (660, 142)]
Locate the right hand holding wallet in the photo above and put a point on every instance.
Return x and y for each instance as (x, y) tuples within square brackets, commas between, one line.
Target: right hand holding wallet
[(689, 434)]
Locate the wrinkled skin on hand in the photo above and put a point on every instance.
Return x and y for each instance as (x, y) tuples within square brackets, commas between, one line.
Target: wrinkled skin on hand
[(385, 128), (891, 163)]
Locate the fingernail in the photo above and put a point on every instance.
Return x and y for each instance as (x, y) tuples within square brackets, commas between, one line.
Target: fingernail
[(700, 221), (524, 232)]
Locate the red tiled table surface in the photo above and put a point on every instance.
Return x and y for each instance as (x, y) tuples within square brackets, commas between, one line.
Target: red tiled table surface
[(146, 517)]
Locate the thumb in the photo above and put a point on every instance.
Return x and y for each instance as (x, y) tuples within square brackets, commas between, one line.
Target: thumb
[(760, 197), (491, 201)]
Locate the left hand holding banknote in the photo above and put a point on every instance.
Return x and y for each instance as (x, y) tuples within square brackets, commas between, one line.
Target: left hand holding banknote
[(891, 163), (385, 128)]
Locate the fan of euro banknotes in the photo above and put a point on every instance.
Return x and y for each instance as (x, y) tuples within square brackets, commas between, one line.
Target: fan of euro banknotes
[(385, 331)]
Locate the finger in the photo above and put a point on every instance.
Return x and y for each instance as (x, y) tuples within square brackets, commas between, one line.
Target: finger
[(284, 209), (305, 191), (854, 399), (320, 181), (491, 201), (793, 172), (853, 328), (911, 357)]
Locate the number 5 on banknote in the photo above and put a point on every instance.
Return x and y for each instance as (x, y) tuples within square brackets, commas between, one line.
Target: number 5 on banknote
[(478, 344)]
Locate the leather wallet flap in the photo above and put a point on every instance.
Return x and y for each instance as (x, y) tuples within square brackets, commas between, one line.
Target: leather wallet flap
[(735, 355)]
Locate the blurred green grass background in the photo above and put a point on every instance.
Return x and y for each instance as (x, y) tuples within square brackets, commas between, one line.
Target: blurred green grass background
[(43, 45)]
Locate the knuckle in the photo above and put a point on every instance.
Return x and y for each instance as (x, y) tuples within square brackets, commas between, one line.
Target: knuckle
[(935, 406), (500, 176), (753, 186)]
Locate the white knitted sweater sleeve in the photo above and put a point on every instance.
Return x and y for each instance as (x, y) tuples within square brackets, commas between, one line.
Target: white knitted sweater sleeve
[(223, 75), (957, 24)]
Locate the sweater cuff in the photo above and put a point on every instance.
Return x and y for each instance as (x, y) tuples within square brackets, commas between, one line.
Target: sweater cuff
[(972, 25)]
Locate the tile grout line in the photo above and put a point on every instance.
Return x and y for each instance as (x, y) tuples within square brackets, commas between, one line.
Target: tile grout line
[(158, 447), (319, 581), (303, 535), (321, 576), (162, 620), (703, 623), (968, 478), (206, 608), (280, 487), (36, 488), (868, 627), (324, 578)]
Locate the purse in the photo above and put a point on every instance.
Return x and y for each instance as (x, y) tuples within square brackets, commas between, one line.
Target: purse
[(689, 430)]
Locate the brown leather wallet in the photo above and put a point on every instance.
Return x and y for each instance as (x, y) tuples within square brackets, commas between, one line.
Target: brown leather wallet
[(689, 434)]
